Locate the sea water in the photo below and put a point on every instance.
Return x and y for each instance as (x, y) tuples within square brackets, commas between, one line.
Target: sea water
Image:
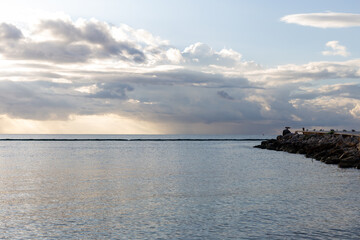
[(170, 190)]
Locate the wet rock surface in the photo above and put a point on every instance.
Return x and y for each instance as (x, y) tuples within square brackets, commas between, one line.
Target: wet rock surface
[(328, 148)]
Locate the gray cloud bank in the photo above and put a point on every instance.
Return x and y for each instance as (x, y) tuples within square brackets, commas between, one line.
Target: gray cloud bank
[(62, 68)]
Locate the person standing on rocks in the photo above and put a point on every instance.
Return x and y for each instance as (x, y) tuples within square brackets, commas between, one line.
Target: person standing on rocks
[(286, 131)]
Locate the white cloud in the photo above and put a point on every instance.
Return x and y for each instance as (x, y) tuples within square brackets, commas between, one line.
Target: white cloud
[(174, 55), (355, 112), (87, 89), (313, 71), (226, 61), (229, 53), (336, 49), (324, 20)]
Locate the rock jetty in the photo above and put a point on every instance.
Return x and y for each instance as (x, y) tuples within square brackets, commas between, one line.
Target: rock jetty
[(328, 148)]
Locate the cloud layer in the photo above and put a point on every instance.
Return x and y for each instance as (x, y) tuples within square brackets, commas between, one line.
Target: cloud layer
[(324, 20), (60, 69)]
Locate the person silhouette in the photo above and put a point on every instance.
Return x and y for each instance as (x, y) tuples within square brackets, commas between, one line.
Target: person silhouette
[(286, 131)]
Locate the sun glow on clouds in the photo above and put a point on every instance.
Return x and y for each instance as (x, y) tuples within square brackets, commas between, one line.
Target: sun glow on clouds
[(60, 75), (86, 124)]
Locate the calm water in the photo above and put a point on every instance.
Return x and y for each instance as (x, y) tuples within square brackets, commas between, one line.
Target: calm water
[(172, 190)]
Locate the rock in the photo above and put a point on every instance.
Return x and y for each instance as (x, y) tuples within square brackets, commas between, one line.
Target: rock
[(301, 151), (332, 160), (349, 162), (328, 148)]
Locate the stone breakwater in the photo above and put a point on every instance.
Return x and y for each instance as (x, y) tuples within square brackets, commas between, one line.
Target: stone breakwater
[(328, 148)]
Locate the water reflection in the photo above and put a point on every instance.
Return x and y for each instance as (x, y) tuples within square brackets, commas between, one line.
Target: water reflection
[(184, 190)]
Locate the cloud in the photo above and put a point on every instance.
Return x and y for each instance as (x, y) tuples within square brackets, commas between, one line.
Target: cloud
[(112, 90), (174, 55), (65, 41), (9, 32), (336, 49), (306, 73), (225, 95), (202, 54), (34, 100), (62, 40), (59, 70), (324, 20)]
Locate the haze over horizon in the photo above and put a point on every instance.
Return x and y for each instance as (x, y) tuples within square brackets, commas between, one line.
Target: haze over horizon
[(203, 67)]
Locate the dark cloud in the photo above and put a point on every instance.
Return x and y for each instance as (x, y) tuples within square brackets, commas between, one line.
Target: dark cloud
[(196, 79), (224, 95), (9, 32), (54, 52), (112, 90), (175, 99), (32, 100), (171, 97), (64, 30), (98, 33)]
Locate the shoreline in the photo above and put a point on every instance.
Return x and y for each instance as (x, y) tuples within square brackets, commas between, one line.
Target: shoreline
[(328, 148), (131, 139)]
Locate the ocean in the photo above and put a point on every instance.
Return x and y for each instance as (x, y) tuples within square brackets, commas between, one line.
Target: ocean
[(182, 187)]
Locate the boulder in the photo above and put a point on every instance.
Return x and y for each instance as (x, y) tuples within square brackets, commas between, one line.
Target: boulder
[(349, 162), (331, 160)]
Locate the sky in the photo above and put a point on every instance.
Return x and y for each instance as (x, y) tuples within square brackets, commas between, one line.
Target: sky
[(178, 67)]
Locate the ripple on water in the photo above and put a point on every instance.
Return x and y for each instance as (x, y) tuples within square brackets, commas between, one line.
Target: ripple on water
[(172, 190)]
